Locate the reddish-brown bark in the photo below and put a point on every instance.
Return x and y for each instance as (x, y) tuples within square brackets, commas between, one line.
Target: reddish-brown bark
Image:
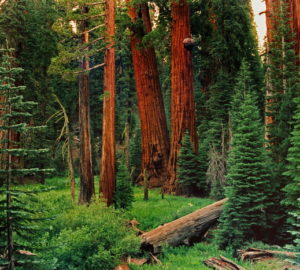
[(108, 161), (86, 171), (155, 139), (183, 103), (294, 11)]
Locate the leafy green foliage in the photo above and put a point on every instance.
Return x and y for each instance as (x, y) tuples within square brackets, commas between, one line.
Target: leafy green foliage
[(188, 169), (244, 215), (90, 238), (123, 196)]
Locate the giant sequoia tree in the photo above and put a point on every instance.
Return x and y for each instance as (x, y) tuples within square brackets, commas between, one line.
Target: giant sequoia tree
[(155, 139), (108, 161), (183, 105)]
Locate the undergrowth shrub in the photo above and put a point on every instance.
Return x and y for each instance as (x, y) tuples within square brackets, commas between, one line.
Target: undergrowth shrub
[(88, 238)]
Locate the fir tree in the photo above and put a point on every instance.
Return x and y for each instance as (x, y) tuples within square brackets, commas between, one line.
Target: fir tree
[(244, 216), (17, 228), (292, 190), (124, 196), (282, 78), (188, 169), (227, 37)]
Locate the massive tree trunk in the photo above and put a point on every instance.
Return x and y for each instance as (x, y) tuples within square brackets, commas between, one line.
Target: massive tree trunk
[(86, 170), (155, 139), (108, 161), (184, 230), (183, 103)]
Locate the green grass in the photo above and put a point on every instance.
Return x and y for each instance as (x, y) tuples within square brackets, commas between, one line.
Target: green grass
[(157, 211), (150, 214)]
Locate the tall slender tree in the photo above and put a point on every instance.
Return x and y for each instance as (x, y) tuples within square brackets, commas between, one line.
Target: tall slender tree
[(108, 161), (86, 170), (183, 105), (155, 139)]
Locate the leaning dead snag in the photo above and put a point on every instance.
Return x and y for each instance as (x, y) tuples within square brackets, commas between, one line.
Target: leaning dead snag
[(222, 263), (155, 138), (184, 230), (183, 103), (108, 160)]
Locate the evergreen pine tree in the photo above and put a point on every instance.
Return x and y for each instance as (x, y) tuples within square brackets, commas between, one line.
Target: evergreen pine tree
[(282, 76), (227, 37), (16, 223), (124, 196), (244, 216), (292, 190), (188, 169)]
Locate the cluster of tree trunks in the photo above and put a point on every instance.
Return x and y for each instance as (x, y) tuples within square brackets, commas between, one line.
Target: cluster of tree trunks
[(155, 139), (184, 230), (86, 170), (183, 103), (108, 161)]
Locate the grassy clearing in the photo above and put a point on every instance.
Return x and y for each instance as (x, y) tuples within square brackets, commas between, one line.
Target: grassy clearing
[(150, 214), (157, 211)]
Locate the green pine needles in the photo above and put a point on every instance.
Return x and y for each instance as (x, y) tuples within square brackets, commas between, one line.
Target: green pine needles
[(292, 190), (244, 216), (282, 75), (16, 222), (123, 196), (188, 173)]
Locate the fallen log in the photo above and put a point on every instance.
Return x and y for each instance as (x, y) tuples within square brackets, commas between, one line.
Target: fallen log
[(222, 263), (256, 254), (185, 230)]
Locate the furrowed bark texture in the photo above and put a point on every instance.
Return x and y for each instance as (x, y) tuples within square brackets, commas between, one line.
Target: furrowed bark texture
[(155, 138), (183, 103), (183, 230), (86, 170), (108, 161)]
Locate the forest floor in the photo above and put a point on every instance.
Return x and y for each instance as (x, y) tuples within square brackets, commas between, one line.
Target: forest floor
[(154, 212)]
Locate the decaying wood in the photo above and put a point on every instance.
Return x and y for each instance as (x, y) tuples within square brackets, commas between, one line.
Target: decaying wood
[(255, 254), (122, 267), (138, 262), (184, 230), (133, 224), (222, 263)]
